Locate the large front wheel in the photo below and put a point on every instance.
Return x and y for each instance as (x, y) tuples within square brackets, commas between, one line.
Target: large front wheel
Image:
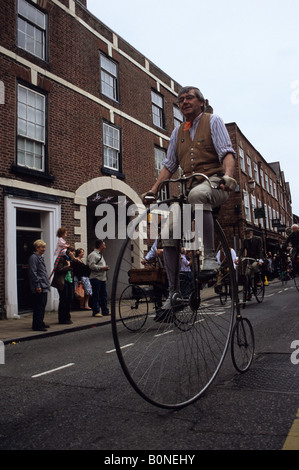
[(174, 356)]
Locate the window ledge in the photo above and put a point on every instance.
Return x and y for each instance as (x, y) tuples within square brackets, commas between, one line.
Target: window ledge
[(110, 172), (20, 170)]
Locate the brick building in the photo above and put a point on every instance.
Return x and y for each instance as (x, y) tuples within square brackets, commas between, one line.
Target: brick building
[(84, 117), (262, 199)]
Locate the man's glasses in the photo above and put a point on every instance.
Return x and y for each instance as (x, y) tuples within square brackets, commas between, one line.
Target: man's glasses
[(187, 98)]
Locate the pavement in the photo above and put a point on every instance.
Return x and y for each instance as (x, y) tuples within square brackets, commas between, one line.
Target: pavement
[(20, 328)]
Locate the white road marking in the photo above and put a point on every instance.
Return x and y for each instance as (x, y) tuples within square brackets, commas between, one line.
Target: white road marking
[(122, 347), (52, 370), (165, 333)]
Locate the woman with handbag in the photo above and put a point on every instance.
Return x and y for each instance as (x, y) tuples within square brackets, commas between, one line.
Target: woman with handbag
[(63, 280), (83, 290)]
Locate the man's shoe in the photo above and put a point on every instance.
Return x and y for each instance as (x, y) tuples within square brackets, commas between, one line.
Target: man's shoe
[(167, 303), (97, 315), (174, 300)]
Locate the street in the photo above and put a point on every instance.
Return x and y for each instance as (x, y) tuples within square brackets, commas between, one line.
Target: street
[(68, 392)]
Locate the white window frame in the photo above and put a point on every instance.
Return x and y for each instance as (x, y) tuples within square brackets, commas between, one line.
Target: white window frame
[(109, 77), (262, 178), (260, 205), (247, 205), (253, 205), (242, 158), (248, 158), (267, 182), (157, 109), (112, 147), (266, 216), (178, 117), (256, 172), (160, 155), (32, 29), (31, 129)]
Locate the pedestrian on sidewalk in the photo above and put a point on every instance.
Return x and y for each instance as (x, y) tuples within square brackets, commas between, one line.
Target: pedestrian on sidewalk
[(98, 279), (81, 274), (39, 285), (64, 283)]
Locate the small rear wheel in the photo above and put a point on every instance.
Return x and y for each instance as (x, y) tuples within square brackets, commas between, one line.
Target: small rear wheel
[(133, 307), (242, 344), (259, 292)]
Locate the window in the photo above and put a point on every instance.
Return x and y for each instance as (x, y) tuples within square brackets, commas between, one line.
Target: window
[(160, 154), (249, 166), (247, 206), (266, 215), (253, 205), (177, 116), (157, 110), (111, 137), (267, 182), (262, 178), (109, 77), (32, 28), (31, 129), (271, 186), (261, 220), (242, 159), (256, 172)]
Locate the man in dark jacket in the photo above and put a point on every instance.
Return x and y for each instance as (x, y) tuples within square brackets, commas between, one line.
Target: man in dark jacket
[(39, 285), (293, 240), (254, 249)]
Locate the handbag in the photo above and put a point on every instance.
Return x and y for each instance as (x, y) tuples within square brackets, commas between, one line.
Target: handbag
[(79, 291)]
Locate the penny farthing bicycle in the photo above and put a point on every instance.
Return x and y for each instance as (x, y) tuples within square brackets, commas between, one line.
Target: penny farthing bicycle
[(171, 359)]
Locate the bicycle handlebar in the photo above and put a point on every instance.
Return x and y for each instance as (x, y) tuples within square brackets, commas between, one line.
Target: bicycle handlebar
[(152, 197), (184, 179)]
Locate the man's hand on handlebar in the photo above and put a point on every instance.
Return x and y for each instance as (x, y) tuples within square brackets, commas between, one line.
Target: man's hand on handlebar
[(149, 198), (227, 183)]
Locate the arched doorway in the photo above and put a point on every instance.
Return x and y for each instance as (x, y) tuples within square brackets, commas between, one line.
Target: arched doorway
[(89, 196)]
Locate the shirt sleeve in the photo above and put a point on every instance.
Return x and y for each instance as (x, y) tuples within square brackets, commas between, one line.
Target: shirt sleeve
[(220, 137), (171, 162)]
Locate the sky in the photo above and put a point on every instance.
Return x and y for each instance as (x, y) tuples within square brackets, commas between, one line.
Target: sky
[(243, 55)]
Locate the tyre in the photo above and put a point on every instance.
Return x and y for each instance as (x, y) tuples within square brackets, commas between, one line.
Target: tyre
[(133, 307), (242, 345)]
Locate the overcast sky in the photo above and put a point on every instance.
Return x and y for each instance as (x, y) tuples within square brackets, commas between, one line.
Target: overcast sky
[(243, 55)]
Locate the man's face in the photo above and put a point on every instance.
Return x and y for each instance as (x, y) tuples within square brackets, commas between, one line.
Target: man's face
[(102, 247), (190, 106), (249, 234)]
